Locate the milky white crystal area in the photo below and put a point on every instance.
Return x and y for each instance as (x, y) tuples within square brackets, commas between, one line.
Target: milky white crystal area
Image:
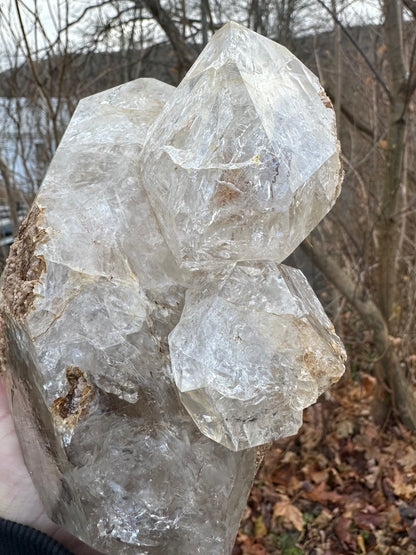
[(253, 348), (89, 296), (244, 160)]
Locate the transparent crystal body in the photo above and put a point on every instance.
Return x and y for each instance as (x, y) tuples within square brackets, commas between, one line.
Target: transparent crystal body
[(108, 336), (244, 161), (90, 294), (252, 349)]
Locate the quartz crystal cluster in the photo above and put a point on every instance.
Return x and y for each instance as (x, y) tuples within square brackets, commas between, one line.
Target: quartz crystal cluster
[(151, 337)]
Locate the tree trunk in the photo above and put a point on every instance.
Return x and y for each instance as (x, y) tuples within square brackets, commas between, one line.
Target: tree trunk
[(387, 228), (11, 201), (185, 53), (393, 391), (389, 369)]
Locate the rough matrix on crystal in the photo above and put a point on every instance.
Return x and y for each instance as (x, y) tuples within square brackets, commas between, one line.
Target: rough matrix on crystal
[(151, 337)]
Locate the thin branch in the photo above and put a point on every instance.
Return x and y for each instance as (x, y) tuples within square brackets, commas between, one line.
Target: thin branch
[(84, 13), (357, 123), (411, 6), (357, 46), (355, 294), (35, 73)]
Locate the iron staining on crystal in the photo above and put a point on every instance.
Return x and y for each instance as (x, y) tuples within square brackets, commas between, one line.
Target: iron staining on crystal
[(24, 267)]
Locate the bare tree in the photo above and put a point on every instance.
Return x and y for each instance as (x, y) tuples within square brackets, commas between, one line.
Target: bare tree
[(378, 297)]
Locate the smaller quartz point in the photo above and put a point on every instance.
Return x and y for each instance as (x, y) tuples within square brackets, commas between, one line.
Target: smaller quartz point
[(252, 349), (244, 160)]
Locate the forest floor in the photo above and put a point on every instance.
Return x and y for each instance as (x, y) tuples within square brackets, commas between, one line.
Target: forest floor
[(340, 486)]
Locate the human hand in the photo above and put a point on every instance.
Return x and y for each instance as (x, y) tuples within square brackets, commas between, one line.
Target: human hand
[(19, 500)]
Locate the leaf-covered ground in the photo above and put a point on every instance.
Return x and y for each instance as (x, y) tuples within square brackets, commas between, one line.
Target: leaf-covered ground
[(341, 486)]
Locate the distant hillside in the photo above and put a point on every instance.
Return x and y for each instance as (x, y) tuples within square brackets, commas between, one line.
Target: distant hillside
[(87, 73)]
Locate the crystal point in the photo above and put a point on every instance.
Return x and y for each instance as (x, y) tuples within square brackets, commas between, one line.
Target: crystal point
[(244, 161), (252, 349)]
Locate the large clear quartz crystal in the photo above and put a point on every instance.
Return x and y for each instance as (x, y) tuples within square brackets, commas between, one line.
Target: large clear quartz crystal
[(243, 162), (90, 294), (253, 348), (149, 347)]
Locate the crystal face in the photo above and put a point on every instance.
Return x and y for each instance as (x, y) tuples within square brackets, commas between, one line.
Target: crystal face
[(243, 162), (151, 338), (90, 294), (252, 349)]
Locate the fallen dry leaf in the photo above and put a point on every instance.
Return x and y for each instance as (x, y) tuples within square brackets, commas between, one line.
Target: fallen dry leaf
[(345, 428), (320, 494), (400, 487), (260, 529), (370, 518), (256, 549), (412, 531), (408, 461), (372, 474), (323, 519), (361, 544), (368, 383), (394, 519), (290, 513), (250, 546), (362, 485), (342, 530), (319, 476)]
